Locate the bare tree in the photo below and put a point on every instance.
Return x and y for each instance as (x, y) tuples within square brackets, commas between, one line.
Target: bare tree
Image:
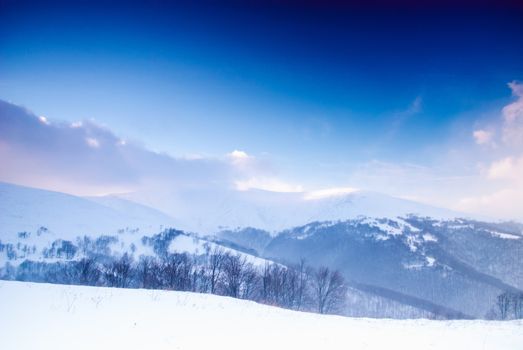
[(250, 283), (304, 273), (215, 267), (233, 267), (87, 272), (119, 272), (177, 272), (148, 273), (503, 303), (329, 289), (518, 306)]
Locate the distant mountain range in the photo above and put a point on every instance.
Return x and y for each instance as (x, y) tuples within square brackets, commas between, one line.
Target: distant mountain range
[(210, 210), (401, 258), (457, 267)]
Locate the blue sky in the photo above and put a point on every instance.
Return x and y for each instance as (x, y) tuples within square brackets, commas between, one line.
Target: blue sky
[(327, 94)]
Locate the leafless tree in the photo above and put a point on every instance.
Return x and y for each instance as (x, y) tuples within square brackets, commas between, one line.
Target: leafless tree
[(250, 283), (87, 271), (518, 306), (177, 272), (215, 267), (149, 273), (119, 272), (304, 274), (503, 303), (233, 269), (329, 290)]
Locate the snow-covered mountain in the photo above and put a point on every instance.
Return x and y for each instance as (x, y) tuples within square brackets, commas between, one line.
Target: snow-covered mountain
[(203, 211), (31, 210), (45, 316), (452, 266), (210, 210), (46, 226), (390, 250)]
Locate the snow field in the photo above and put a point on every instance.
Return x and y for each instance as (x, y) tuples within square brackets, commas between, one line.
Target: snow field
[(45, 316)]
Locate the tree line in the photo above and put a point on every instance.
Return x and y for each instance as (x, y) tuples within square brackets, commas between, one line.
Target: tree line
[(220, 272)]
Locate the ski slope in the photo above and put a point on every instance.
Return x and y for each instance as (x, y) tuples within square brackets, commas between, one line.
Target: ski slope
[(44, 316)]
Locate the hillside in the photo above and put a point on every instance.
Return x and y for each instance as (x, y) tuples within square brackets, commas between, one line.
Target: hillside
[(452, 266), (210, 210), (32, 210), (406, 266)]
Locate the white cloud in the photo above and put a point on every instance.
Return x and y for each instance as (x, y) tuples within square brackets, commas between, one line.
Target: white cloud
[(92, 142), (329, 192), (59, 156), (501, 194), (504, 204), (513, 117), (43, 120), (483, 137), (240, 159), (236, 154), (510, 168), (267, 184)]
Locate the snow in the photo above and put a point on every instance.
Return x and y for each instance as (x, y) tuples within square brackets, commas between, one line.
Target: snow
[(44, 316), (186, 244), (209, 210), (504, 235), (412, 242), (390, 230), (430, 260), (194, 245), (427, 237), (67, 216), (205, 211), (394, 226)]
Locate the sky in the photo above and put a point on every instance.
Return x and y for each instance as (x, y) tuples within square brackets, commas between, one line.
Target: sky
[(418, 101)]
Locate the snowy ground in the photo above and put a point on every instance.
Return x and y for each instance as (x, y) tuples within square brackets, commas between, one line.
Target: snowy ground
[(44, 316)]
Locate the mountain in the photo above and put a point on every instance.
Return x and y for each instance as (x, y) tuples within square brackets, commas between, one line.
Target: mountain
[(400, 258), (78, 317), (45, 226), (32, 210), (456, 267), (210, 210)]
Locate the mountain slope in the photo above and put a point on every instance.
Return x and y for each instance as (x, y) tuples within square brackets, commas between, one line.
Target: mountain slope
[(25, 209), (457, 264), (210, 210)]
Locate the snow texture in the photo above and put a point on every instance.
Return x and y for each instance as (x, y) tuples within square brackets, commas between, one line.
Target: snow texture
[(44, 316)]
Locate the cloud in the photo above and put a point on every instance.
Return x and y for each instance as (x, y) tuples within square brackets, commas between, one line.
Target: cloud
[(513, 117), (238, 155), (253, 173), (483, 137), (86, 158), (502, 174), (92, 142), (267, 184), (510, 168), (329, 192)]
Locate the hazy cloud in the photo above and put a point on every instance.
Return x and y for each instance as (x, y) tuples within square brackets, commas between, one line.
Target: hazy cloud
[(513, 117), (86, 158), (504, 166), (483, 137)]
